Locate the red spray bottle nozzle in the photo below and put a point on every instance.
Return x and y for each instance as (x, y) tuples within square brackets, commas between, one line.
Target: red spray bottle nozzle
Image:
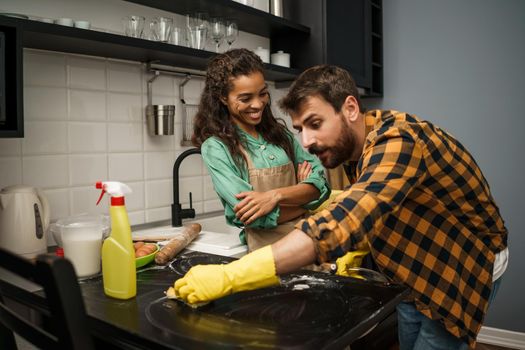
[(99, 186), (116, 190)]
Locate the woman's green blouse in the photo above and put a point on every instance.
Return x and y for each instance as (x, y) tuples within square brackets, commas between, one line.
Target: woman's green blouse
[(229, 180)]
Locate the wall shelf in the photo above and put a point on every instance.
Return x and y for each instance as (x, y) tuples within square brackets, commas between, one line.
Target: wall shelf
[(46, 36), (249, 19)]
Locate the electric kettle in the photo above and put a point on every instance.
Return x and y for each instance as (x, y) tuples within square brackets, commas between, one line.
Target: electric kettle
[(24, 218)]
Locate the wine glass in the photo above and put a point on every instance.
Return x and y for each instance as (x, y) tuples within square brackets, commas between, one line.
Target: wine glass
[(217, 31), (232, 31)]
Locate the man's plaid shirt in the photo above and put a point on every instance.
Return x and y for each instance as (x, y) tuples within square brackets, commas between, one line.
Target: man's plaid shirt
[(419, 201)]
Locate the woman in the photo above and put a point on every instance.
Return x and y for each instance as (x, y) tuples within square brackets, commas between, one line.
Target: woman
[(251, 157)]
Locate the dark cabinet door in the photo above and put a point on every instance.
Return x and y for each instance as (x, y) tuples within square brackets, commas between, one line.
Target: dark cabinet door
[(347, 40), (346, 33), (11, 114)]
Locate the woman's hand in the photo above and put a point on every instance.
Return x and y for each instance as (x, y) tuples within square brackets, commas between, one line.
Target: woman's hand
[(253, 205), (304, 170)]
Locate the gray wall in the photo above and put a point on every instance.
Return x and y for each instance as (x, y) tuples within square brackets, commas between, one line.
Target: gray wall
[(460, 64)]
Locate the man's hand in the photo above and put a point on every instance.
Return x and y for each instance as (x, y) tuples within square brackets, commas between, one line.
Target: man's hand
[(350, 260), (304, 170), (253, 205), (204, 283)]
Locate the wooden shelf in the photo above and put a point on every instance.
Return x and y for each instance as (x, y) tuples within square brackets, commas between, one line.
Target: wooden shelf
[(249, 19), (45, 36)]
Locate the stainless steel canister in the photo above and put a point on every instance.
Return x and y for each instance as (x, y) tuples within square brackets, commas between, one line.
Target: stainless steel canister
[(160, 119), (276, 7)]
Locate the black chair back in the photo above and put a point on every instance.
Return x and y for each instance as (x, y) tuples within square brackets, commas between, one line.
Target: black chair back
[(65, 323)]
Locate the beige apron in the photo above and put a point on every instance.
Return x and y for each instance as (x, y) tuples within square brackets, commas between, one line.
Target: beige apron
[(263, 180)]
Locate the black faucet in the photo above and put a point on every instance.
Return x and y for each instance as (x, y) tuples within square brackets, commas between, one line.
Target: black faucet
[(177, 213)]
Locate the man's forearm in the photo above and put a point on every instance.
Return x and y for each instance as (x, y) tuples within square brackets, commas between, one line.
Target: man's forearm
[(293, 251)]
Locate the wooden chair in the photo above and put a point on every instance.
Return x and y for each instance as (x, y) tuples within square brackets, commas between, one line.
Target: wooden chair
[(62, 308)]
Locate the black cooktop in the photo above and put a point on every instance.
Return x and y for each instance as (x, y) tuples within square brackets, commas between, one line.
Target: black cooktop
[(308, 310)]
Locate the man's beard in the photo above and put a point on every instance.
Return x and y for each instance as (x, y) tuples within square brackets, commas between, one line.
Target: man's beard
[(340, 152)]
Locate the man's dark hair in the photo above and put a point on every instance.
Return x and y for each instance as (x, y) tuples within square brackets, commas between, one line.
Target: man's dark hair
[(332, 83)]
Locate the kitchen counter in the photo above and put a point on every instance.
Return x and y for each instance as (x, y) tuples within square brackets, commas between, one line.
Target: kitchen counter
[(309, 310)]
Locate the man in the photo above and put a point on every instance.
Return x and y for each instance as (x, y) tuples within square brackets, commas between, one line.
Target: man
[(418, 201)]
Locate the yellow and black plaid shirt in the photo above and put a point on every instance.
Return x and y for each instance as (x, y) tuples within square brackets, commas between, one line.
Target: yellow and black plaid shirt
[(419, 201)]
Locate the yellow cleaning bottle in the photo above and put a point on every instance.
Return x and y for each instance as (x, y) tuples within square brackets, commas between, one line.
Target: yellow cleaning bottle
[(119, 273)]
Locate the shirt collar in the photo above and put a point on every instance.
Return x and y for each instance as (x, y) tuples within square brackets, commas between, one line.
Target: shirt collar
[(249, 137), (370, 120)]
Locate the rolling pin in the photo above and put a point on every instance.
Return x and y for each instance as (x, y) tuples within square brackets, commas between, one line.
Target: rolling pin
[(176, 244)]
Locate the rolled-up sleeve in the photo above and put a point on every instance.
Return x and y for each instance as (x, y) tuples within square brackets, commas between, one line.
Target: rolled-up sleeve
[(390, 169), (228, 180), (317, 177)]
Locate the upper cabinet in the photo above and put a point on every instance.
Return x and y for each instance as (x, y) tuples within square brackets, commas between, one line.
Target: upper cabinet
[(347, 33)]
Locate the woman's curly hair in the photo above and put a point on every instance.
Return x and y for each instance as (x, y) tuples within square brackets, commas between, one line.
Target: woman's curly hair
[(213, 118)]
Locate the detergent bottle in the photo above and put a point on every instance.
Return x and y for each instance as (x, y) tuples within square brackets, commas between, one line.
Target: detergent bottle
[(119, 273)]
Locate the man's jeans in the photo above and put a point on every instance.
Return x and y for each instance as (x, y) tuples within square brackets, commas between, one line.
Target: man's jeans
[(418, 332)]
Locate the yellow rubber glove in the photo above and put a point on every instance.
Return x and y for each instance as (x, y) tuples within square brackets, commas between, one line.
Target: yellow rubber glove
[(349, 260), (204, 283), (327, 202)]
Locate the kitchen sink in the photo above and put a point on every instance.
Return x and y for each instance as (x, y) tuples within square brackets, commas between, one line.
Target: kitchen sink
[(216, 236)]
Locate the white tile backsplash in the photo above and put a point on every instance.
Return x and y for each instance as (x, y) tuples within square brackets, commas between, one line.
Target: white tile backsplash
[(191, 165), (85, 121), (87, 137), (157, 143), (158, 164), (162, 85), (87, 73), (88, 169), (125, 107), (124, 137), (44, 68), (136, 217), (158, 214), (135, 199), (45, 171), (58, 202), (45, 103), (193, 185), (87, 105), (210, 206), (10, 147), (84, 200), (126, 167), (44, 138), (10, 171), (192, 90), (125, 77), (159, 193)]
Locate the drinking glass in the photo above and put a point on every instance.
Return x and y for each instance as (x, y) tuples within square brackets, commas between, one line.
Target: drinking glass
[(198, 19), (217, 31), (178, 36), (232, 31), (198, 37), (197, 30), (161, 29), (134, 26)]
